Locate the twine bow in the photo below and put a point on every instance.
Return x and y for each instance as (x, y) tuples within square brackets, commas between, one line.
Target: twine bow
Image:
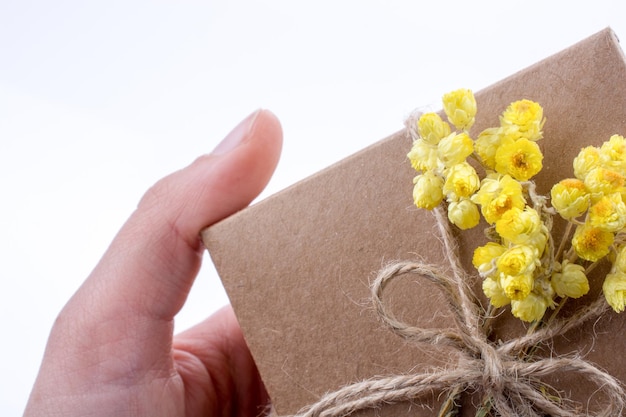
[(498, 370)]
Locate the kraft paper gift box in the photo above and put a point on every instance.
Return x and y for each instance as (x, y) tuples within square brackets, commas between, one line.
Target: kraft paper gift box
[(298, 265)]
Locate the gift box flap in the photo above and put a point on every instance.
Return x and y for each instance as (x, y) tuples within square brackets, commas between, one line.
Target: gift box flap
[(297, 266)]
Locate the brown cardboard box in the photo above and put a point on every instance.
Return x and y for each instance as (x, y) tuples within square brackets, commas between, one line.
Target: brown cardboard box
[(297, 266)]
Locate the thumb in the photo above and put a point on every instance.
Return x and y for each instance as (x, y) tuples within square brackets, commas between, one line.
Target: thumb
[(116, 331), (128, 303), (155, 257)]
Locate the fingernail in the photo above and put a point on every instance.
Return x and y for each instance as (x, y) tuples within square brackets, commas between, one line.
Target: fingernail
[(236, 136)]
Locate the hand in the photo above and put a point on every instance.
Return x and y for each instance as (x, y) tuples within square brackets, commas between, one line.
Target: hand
[(111, 351)]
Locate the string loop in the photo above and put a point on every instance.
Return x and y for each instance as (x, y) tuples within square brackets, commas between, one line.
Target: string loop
[(502, 371)]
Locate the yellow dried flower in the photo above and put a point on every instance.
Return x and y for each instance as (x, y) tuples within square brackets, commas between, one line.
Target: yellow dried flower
[(614, 289), (587, 159), (487, 144), (518, 260), (490, 139), (604, 181), (497, 195), (463, 214), (428, 190), (455, 148), (460, 107), (493, 290), (461, 181), (432, 128), (570, 198), (527, 116), (485, 257), (517, 287), (522, 159), (531, 308), (423, 156), (571, 281), (591, 243), (609, 213), (521, 268), (519, 226), (613, 153)]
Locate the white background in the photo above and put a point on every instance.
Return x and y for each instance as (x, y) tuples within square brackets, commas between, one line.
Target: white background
[(100, 99)]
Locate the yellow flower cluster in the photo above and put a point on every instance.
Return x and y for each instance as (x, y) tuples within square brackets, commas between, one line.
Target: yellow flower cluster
[(510, 156), (614, 286), (521, 267), (440, 155), (594, 201), (511, 149), (512, 268)]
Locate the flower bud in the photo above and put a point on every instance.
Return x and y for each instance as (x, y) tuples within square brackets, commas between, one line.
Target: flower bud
[(527, 116), (495, 293), (486, 145), (485, 257), (463, 214), (432, 128), (455, 148), (517, 287), (571, 281), (614, 289), (519, 226), (497, 195), (428, 190), (423, 156), (613, 153), (588, 158), (604, 181), (461, 182), (609, 213), (570, 198), (460, 107), (531, 308), (518, 260)]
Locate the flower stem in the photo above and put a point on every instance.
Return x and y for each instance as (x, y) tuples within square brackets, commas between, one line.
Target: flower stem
[(591, 267), (490, 314), (557, 309), (566, 233)]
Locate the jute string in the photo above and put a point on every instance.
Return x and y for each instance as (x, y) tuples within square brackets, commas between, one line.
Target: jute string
[(500, 371)]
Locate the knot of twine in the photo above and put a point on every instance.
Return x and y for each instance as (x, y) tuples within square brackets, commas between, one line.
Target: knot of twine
[(512, 381)]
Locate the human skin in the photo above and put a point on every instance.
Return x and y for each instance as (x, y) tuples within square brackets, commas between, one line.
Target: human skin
[(112, 351)]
